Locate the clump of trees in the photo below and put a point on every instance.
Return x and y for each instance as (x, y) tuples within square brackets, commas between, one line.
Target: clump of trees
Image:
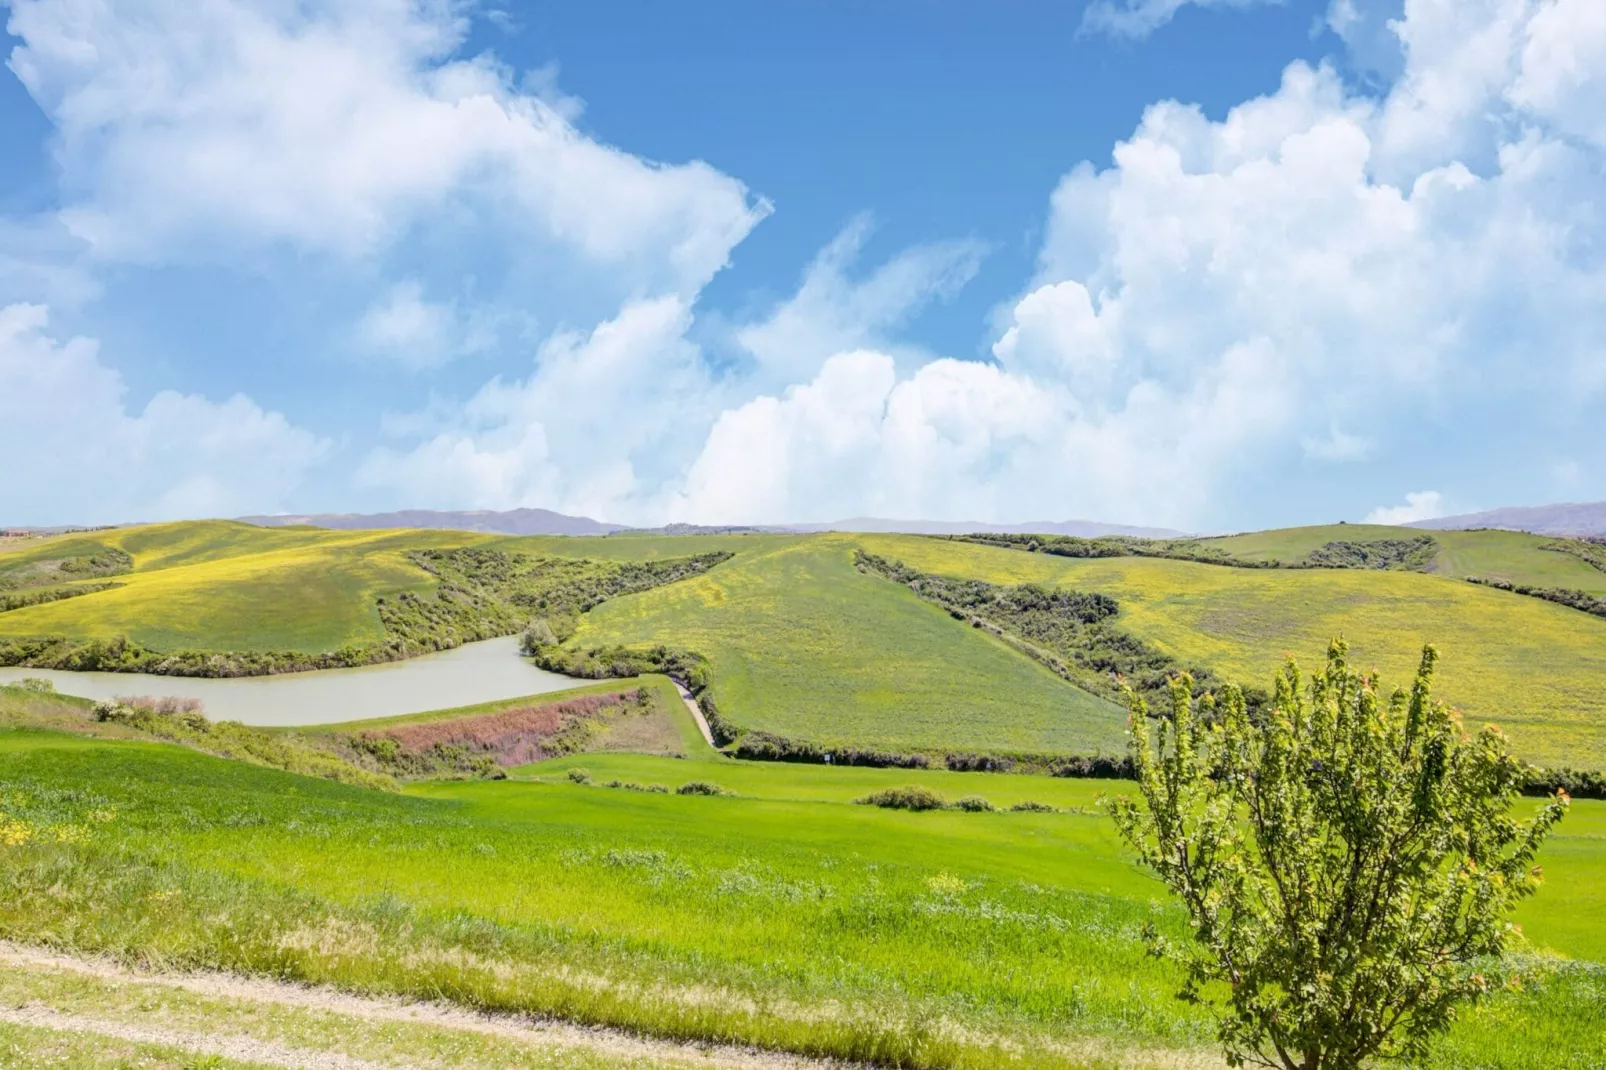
[(1414, 554), (1346, 860)]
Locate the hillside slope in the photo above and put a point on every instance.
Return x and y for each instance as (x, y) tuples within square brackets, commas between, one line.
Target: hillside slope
[(1536, 669), (1507, 556), (803, 645)]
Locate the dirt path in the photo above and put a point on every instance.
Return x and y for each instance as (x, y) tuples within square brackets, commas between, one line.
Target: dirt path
[(239, 1048), (612, 1046), (696, 713)]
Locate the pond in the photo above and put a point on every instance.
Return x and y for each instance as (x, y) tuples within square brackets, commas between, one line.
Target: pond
[(475, 672)]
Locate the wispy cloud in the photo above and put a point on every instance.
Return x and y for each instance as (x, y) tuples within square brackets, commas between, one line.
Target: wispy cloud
[(1139, 18)]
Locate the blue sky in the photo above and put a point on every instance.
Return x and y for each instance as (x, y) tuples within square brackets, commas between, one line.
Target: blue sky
[(1215, 265)]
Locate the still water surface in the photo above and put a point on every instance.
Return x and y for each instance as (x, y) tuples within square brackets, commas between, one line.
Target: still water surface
[(477, 672)]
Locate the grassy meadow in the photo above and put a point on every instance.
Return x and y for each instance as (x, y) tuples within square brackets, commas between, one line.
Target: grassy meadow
[(783, 916)]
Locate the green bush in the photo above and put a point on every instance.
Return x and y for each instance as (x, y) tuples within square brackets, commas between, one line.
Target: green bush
[(702, 787), (905, 798), (1029, 807), (975, 804), (580, 776)]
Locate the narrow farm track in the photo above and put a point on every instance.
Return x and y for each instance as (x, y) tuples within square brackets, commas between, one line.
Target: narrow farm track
[(135, 991), (696, 714), (240, 1048)]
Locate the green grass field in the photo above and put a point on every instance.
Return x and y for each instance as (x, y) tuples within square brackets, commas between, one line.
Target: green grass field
[(785, 916)]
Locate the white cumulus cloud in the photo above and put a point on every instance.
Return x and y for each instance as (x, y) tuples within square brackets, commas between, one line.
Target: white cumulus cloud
[(1318, 275), (89, 459), (603, 415), (1419, 505), (191, 129)]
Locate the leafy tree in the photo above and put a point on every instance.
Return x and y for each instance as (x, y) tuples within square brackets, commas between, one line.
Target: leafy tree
[(1345, 860)]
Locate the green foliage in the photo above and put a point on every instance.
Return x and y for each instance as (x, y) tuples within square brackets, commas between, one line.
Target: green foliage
[(1030, 807), (1346, 862), (764, 747), (539, 634), (580, 776), (974, 804), (36, 685), (1415, 554), (908, 797), (702, 787)]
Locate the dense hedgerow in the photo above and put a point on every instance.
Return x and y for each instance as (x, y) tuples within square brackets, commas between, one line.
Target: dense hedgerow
[(764, 747), (1414, 553), (23, 599), (702, 787), (1582, 601)]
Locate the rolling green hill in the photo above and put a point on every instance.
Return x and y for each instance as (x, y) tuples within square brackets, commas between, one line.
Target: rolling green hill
[(803, 645), (1536, 669), (1510, 556)]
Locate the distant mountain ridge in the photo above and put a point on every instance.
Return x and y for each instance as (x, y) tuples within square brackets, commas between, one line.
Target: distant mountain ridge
[(506, 522), (1567, 518), (547, 522), (1087, 529)]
